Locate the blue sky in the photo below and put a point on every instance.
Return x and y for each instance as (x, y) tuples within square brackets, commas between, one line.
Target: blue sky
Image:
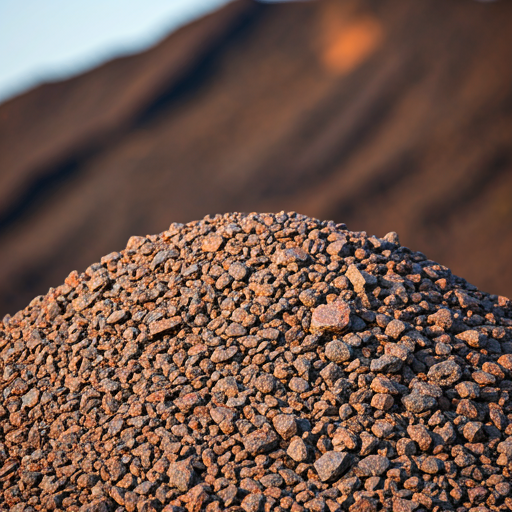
[(54, 39)]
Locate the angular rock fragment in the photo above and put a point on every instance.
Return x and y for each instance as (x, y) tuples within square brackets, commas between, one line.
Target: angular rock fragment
[(331, 465)]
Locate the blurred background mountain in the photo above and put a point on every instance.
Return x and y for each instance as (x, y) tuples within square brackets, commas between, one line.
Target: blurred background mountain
[(381, 114)]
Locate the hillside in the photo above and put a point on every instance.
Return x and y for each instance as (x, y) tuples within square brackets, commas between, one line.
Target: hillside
[(386, 116)]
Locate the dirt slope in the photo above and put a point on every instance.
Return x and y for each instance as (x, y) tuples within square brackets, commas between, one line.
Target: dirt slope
[(382, 115)]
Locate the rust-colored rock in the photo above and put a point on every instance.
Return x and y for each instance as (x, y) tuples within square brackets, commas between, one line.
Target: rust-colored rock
[(333, 317)]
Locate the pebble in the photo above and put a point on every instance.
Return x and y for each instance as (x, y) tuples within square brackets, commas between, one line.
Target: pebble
[(373, 465), (285, 425), (386, 364), (297, 450), (432, 465), (337, 351), (260, 441), (331, 465), (445, 373), (394, 329), (332, 318), (417, 403), (298, 385)]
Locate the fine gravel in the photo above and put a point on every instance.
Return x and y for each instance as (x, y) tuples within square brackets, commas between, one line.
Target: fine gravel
[(253, 363)]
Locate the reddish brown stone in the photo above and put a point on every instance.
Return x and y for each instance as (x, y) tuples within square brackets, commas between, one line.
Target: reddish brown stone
[(333, 317)]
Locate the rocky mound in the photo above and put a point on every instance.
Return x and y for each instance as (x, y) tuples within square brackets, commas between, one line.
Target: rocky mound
[(257, 363)]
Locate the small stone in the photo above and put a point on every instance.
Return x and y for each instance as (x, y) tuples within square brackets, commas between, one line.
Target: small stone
[(421, 435), (253, 502), (442, 349), (394, 329), (238, 271), (506, 361), (442, 318), (30, 399), (331, 465), (465, 300), (386, 364), (359, 278), (382, 428), (297, 450), (503, 488), (468, 389), (483, 378), (291, 255), (309, 298), (382, 401), (331, 373), (212, 243), (285, 425), (468, 408), (221, 355), (432, 465), (261, 441), (447, 433), (235, 330), (220, 414), (406, 446), (368, 443), (401, 505), (381, 384), (445, 373), (266, 383), (472, 338), (392, 238), (87, 480), (298, 385), (333, 317), (181, 476), (161, 326), (337, 351), (373, 465), (474, 431), (271, 480), (117, 316), (228, 495)]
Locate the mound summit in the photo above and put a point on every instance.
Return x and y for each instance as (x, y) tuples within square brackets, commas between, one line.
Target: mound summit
[(259, 362)]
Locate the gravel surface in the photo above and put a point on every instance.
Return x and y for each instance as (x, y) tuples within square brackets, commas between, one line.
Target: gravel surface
[(258, 363)]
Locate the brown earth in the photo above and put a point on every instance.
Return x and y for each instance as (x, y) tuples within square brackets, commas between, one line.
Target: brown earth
[(383, 115)]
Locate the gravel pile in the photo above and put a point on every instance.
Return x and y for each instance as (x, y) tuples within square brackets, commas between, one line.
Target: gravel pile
[(258, 363)]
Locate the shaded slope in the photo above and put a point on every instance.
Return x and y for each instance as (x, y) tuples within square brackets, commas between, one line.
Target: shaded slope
[(383, 116)]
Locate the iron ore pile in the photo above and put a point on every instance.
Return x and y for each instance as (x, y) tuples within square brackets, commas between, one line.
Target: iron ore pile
[(253, 363)]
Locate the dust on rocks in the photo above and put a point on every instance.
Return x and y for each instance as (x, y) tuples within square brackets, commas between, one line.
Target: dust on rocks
[(260, 362)]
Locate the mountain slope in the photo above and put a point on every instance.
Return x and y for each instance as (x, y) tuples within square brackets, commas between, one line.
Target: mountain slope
[(382, 115)]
